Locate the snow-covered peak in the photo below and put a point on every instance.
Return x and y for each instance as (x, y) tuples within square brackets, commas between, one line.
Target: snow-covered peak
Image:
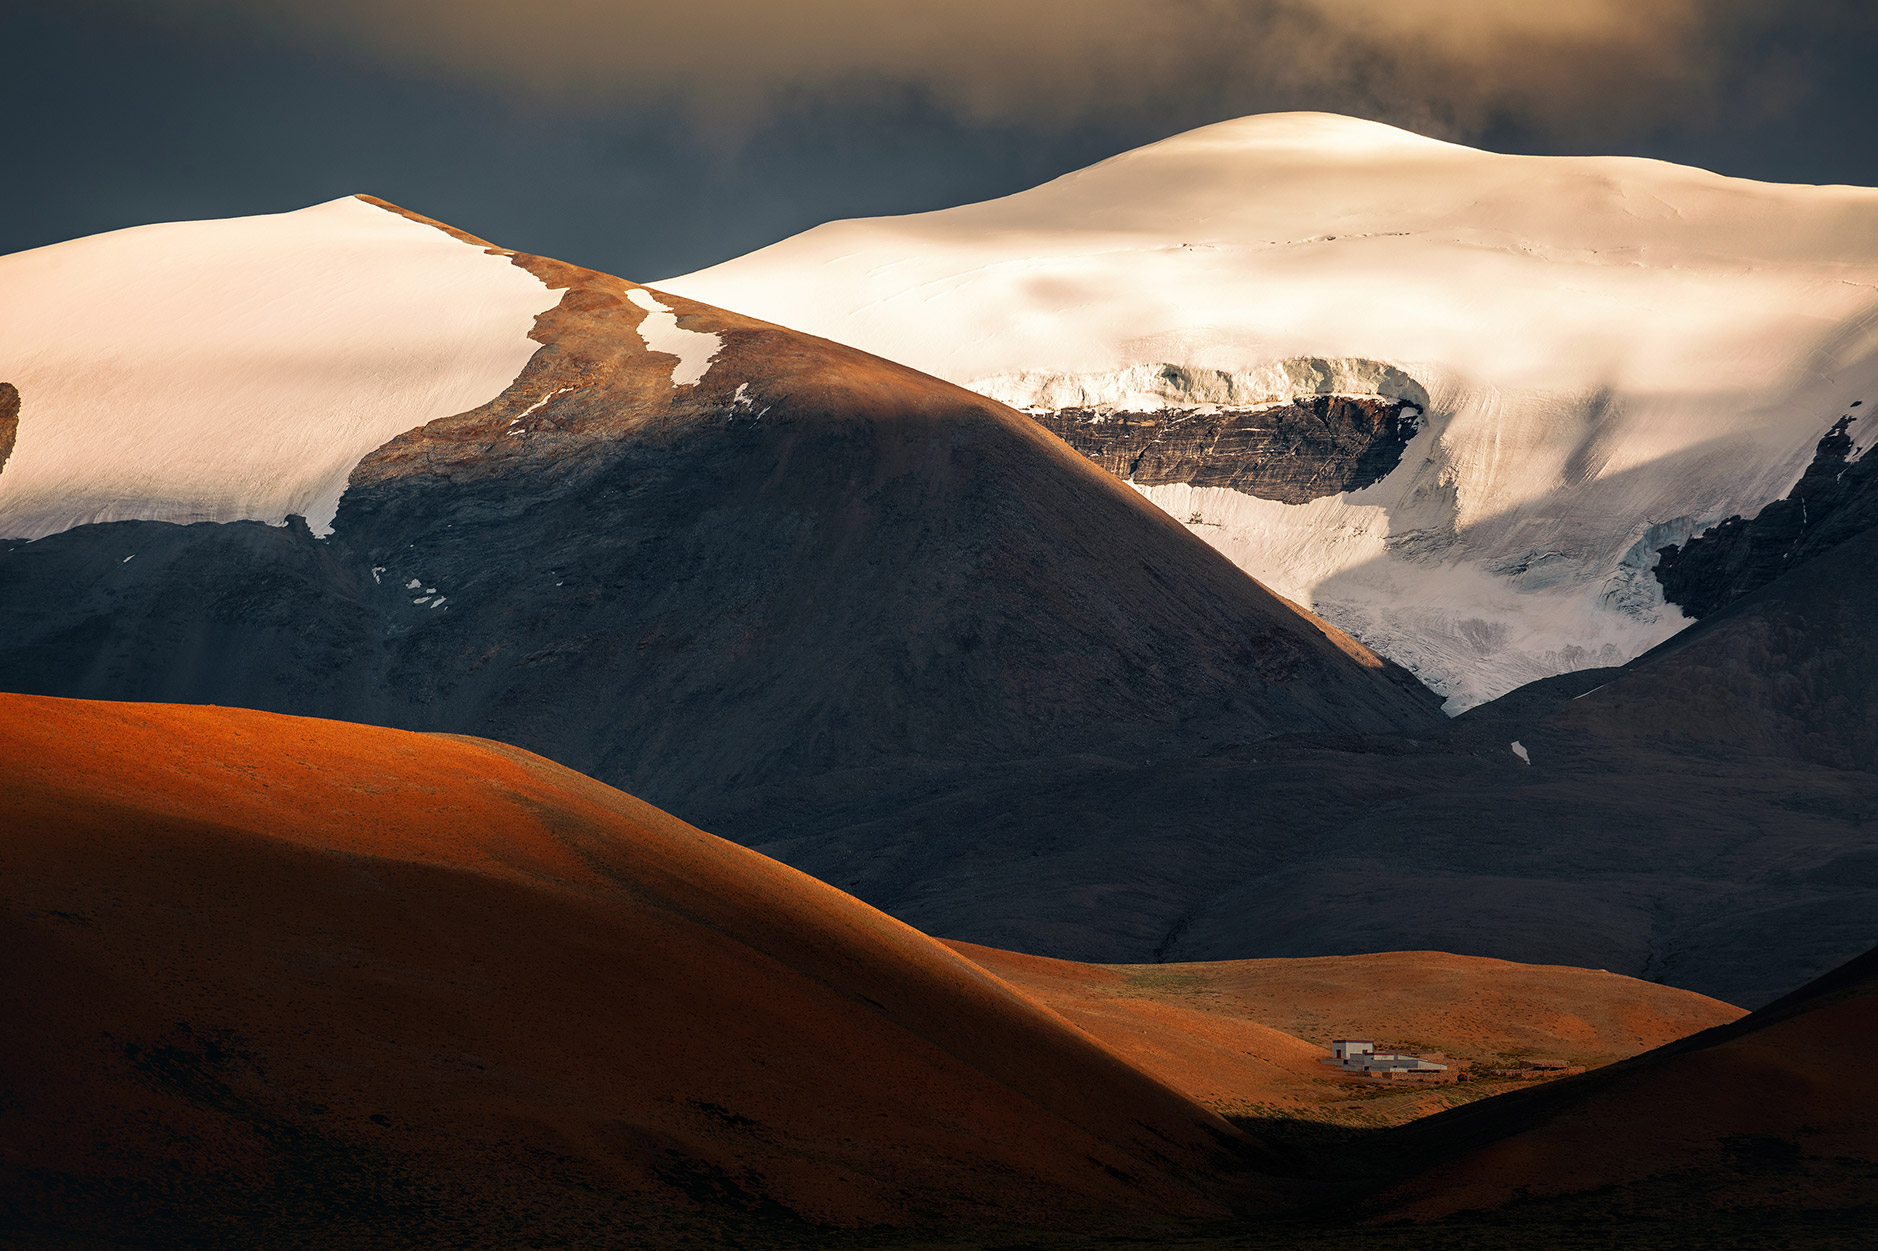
[(1610, 346), (239, 369), (1306, 235), (1301, 131)]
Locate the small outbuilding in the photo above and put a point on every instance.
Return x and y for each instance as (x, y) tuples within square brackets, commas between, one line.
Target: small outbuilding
[(1359, 1058)]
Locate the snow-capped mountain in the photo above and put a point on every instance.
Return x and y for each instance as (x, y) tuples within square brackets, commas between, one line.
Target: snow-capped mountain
[(239, 369), (1587, 359), (895, 633), (674, 546)]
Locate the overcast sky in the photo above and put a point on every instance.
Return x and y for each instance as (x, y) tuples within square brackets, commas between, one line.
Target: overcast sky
[(649, 139)]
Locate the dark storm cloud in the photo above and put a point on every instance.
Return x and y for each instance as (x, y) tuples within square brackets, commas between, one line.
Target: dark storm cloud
[(1450, 66), (651, 139)]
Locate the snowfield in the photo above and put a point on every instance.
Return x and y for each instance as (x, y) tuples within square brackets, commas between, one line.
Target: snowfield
[(661, 332), (239, 369), (1612, 353)]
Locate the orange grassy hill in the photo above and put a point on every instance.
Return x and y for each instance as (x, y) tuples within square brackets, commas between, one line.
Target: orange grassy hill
[(1246, 1037), (279, 978)]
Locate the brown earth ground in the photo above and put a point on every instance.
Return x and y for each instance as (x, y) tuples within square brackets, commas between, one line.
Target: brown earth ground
[(272, 979), (1777, 1112), (1246, 1037), (277, 981)]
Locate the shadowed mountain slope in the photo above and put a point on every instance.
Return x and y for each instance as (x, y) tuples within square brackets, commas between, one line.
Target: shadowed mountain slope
[(275, 978), (710, 560), (1701, 817), (1787, 671)]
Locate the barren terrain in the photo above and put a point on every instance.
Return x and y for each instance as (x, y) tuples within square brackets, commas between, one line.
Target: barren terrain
[(1246, 1038), (291, 972)]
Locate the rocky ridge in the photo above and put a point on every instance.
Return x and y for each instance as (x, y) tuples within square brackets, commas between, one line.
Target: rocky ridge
[(1295, 451), (1834, 499)]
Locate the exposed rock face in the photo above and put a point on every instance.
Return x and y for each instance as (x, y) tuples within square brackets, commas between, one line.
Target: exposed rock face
[(1788, 671), (1293, 452), (9, 420), (1834, 499)]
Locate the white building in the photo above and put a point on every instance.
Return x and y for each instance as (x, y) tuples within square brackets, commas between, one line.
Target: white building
[(1359, 1057)]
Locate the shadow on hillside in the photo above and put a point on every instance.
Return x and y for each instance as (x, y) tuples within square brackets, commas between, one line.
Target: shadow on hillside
[(1317, 1148)]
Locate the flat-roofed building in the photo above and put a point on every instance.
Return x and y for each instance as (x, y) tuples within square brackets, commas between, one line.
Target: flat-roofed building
[(1359, 1058)]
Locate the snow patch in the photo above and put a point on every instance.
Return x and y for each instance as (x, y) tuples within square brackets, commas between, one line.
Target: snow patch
[(1521, 752), (539, 404), (744, 402), (1399, 579), (694, 349)]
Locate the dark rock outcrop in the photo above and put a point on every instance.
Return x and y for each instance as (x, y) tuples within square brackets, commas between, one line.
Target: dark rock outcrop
[(1786, 672), (9, 420), (1308, 448), (1834, 499)]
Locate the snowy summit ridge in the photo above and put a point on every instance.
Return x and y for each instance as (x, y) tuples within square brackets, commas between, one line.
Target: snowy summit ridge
[(1614, 352), (238, 369)]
